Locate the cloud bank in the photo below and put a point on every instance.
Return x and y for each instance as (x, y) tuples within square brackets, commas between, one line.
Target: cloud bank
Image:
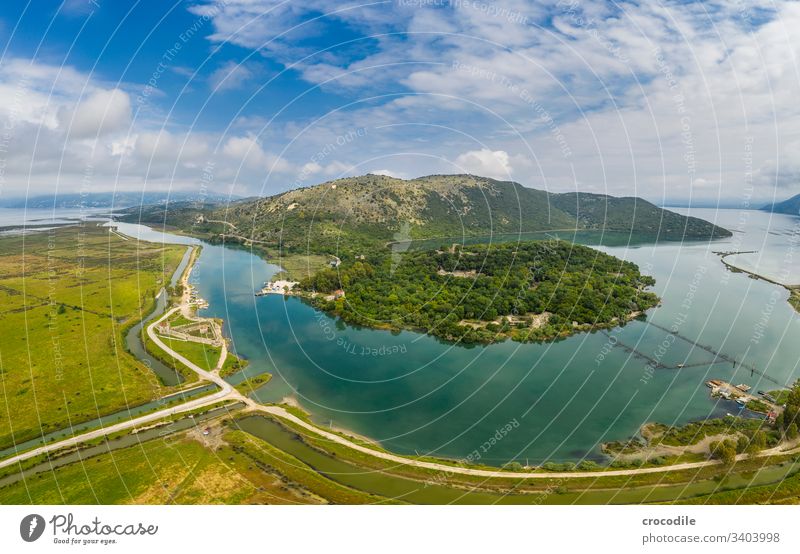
[(663, 100)]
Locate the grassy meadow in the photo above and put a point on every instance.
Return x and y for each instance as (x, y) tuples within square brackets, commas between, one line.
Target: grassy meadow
[(203, 355), (176, 471), (66, 298), (223, 467)]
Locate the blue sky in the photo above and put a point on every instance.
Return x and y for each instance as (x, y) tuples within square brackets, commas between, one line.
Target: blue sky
[(666, 100)]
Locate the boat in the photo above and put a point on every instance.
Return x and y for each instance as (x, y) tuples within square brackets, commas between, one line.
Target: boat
[(741, 402), (742, 387)]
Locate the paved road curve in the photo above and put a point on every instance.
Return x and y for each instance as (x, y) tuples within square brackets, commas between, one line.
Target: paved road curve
[(280, 412), (227, 392)]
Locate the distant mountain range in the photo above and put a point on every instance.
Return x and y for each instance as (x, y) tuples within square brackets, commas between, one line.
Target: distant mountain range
[(116, 200), (374, 208), (790, 206)]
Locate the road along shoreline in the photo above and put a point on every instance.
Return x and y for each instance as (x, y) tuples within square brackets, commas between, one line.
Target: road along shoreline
[(228, 392)]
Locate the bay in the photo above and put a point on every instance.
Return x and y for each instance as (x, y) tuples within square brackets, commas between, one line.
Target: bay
[(561, 400), (532, 403)]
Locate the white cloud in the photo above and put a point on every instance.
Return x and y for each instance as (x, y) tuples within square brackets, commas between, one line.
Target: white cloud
[(575, 88), (164, 147), (231, 76), (34, 92), (563, 95), (486, 163), (103, 112), (311, 168), (63, 128), (77, 7), (247, 152), (387, 173), (338, 169), (123, 146)]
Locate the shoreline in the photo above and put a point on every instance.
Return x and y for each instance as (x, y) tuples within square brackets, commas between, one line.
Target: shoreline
[(437, 466), (794, 290), (292, 402), (312, 299), (302, 295), (736, 269)]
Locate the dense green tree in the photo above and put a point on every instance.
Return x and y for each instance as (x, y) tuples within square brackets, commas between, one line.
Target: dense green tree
[(742, 443), (757, 443), (457, 295), (724, 450)]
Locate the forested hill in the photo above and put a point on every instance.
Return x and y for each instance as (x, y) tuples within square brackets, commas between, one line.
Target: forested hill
[(790, 206), (375, 209)]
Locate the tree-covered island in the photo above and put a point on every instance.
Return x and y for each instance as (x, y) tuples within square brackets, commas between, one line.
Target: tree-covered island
[(529, 291)]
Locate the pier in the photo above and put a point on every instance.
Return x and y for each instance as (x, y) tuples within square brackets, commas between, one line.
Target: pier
[(721, 356), (718, 357), (652, 362)]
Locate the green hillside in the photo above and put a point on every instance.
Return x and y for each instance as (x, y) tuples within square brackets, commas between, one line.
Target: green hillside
[(790, 206), (356, 213), (631, 214)]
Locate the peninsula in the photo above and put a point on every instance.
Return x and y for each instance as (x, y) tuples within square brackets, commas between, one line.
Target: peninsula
[(461, 257)]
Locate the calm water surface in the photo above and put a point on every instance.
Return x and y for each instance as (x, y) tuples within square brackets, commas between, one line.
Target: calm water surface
[(416, 394)]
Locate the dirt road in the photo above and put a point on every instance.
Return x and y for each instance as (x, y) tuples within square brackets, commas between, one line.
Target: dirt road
[(227, 392), (400, 460)]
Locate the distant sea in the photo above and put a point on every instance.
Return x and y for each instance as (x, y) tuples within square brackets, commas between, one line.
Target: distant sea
[(19, 219)]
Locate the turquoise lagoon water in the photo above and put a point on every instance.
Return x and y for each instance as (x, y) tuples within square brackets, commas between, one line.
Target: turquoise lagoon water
[(414, 393)]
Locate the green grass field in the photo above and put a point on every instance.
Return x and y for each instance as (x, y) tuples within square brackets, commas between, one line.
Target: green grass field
[(300, 266), (251, 384), (180, 470), (66, 298), (600, 489), (203, 355), (188, 375), (232, 365), (226, 466)]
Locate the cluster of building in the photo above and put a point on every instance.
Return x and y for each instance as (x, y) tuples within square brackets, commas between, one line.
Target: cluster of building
[(277, 287), (740, 394)]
